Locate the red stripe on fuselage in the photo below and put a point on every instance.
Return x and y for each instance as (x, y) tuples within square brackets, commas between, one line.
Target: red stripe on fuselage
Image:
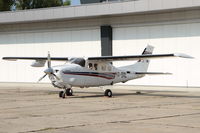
[(93, 75)]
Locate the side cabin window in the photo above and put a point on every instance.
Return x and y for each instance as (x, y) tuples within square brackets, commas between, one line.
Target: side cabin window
[(106, 67), (109, 68), (90, 66), (93, 66), (103, 68)]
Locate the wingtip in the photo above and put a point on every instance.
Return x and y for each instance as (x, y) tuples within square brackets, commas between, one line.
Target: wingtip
[(9, 59), (183, 55), (167, 73)]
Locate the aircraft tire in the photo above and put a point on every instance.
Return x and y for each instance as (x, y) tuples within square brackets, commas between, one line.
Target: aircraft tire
[(138, 92), (69, 92), (108, 93), (61, 94)]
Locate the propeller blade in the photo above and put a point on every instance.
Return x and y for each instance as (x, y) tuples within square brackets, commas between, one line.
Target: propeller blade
[(49, 60), (56, 76), (42, 77)]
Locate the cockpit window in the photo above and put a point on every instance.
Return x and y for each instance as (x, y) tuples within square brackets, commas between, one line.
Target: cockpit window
[(90, 66), (79, 61)]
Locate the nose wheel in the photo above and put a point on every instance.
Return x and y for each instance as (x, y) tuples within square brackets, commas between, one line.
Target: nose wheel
[(108, 93), (61, 94), (66, 92)]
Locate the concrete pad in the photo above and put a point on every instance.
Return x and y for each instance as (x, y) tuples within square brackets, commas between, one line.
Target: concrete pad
[(37, 108)]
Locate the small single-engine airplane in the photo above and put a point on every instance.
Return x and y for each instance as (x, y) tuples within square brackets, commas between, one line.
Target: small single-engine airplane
[(95, 71)]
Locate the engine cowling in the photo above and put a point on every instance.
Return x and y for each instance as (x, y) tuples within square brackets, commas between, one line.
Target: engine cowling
[(38, 63)]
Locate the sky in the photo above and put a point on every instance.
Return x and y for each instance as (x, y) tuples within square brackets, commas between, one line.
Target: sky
[(74, 2)]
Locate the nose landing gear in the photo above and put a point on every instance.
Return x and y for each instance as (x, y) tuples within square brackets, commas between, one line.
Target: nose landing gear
[(66, 92), (61, 94)]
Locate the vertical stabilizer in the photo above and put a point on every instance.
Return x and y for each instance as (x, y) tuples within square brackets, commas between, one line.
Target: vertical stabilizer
[(148, 50), (142, 65)]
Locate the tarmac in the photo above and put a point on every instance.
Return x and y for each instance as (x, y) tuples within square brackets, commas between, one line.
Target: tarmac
[(28, 108)]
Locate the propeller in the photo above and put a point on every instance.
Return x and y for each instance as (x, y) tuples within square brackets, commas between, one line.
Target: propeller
[(42, 77), (49, 60), (49, 71)]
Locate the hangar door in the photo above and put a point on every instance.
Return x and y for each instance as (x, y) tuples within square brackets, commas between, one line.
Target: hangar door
[(61, 43), (166, 38)]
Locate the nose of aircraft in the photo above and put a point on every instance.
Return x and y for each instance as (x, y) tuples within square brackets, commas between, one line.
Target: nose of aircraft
[(48, 71)]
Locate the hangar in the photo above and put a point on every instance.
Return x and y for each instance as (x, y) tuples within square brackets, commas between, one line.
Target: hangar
[(108, 28)]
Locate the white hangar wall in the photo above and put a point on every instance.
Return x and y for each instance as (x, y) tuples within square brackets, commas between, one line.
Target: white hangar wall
[(60, 42), (77, 33), (166, 37)]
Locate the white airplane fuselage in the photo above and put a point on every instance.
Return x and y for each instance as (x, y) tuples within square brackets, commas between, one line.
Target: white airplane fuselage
[(78, 76)]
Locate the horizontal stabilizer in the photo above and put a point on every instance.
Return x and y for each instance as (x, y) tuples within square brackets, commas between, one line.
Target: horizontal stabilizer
[(153, 73)]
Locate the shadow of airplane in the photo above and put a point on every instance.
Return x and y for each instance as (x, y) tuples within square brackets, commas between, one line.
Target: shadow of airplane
[(93, 94)]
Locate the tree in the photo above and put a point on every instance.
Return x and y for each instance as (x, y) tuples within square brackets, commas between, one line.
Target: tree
[(5, 5), (23, 4), (1, 5), (32, 4), (46, 3), (66, 3)]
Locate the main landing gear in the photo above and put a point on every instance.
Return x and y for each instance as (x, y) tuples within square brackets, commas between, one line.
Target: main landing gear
[(69, 92), (66, 92), (108, 93)]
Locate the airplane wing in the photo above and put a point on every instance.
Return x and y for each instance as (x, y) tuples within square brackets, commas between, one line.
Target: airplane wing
[(104, 58), (36, 58), (138, 57)]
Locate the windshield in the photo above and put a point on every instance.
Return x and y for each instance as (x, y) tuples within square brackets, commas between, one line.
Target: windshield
[(79, 61)]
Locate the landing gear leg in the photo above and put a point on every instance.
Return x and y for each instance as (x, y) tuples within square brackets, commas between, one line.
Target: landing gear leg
[(108, 93), (66, 92)]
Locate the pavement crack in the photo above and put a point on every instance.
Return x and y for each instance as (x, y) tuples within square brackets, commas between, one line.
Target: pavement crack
[(54, 128), (155, 118), (120, 121), (174, 125)]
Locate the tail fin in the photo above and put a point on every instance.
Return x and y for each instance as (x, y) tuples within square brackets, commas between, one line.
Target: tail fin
[(148, 50), (142, 65)]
